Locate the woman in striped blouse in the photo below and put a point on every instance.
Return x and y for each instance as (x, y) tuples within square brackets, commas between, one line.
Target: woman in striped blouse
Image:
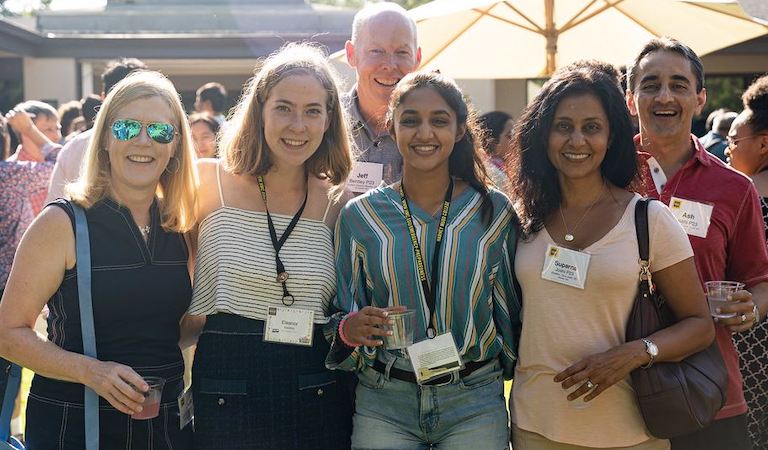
[(264, 275), (440, 243)]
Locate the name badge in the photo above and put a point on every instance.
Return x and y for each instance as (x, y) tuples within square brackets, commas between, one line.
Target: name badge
[(365, 176), (289, 326), (566, 266), (693, 216), (432, 358), (186, 408)]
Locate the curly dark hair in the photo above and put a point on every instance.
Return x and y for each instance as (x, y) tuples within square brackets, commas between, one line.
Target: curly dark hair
[(467, 160), (755, 100), (534, 185)]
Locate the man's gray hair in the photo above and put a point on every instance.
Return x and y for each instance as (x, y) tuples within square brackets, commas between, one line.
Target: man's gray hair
[(374, 9)]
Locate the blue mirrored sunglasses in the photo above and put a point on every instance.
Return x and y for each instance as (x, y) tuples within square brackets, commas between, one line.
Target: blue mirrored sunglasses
[(127, 129)]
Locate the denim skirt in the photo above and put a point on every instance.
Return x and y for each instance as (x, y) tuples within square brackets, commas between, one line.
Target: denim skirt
[(251, 394), (55, 424)]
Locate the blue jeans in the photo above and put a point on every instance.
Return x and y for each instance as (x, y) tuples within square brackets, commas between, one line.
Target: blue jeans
[(467, 414)]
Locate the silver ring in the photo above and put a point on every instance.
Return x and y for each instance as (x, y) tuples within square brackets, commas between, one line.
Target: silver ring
[(590, 385), (743, 318)]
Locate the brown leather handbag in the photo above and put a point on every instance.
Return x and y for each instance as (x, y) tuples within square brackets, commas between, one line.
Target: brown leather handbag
[(675, 398)]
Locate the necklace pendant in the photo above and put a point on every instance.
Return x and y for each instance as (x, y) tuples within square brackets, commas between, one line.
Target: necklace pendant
[(282, 277), (568, 237)]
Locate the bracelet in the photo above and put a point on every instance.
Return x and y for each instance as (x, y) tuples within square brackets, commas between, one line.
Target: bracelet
[(755, 315), (344, 337)]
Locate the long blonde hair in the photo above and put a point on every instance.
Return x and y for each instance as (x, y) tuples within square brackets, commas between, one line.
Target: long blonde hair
[(176, 188), (243, 146)]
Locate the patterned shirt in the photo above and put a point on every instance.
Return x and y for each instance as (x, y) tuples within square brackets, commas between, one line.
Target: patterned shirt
[(475, 296), (370, 147), (20, 181), (36, 199)]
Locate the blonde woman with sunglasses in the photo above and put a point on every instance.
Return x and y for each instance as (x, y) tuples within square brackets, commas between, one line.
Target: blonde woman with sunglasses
[(137, 188)]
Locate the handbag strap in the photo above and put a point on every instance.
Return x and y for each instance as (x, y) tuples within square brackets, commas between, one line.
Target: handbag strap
[(9, 401), (83, 250), (641, 228)]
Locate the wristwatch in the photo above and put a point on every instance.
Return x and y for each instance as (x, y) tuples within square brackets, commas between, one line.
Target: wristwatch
[(652, 351)]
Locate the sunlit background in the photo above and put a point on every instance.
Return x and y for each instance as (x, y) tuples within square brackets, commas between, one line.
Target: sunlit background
[(28, 5)]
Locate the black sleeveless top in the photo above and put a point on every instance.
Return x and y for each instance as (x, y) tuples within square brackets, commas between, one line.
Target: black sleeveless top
[(140, 292)]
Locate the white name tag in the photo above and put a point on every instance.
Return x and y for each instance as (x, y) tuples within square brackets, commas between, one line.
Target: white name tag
[(432, 358), (186, 408), (365, 176), (565, 266), (289, 326), (693, 216)]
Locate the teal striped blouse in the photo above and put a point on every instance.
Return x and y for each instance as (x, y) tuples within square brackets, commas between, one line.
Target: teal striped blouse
[(476, 299)]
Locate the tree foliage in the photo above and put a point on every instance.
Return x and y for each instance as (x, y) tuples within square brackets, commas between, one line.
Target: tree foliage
[(5, 12)]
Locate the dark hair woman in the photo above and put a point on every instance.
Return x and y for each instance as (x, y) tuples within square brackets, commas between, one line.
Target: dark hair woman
[(573, 170), (438, 244)]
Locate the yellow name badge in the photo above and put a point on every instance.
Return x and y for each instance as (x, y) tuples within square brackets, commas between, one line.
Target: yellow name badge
[(565, 266), (289, 326), (694, 217)]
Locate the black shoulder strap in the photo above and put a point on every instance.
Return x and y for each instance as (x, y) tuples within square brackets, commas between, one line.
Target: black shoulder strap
[(641, 227)]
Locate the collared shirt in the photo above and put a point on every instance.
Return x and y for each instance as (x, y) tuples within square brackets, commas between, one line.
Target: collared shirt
[(369, 146), (475, 295), (68, 164), (734, 248), (20, 181)]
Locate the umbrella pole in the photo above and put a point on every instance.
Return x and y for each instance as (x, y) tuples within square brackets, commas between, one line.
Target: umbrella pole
[(551, 34)]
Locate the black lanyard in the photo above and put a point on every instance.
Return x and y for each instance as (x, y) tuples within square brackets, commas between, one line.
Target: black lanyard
[(429, 291), (277, 244)]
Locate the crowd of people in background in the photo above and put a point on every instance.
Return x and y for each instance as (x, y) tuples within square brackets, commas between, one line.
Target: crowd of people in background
[(244, 235)]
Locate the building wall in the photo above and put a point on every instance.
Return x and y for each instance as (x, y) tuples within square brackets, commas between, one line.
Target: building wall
[(53, 80)]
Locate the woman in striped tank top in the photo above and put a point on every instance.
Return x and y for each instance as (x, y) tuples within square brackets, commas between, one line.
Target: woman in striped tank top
[(440, 244), (264, 275)]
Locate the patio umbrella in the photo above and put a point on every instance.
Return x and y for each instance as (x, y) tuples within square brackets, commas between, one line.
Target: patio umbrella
[(531, 38)]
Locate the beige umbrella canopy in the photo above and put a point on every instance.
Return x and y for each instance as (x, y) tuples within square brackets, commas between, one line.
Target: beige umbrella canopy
[(531, 38)]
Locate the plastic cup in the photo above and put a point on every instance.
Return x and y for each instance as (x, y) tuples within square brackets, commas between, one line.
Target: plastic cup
[(152, 398), (717, 296), (402, 325)]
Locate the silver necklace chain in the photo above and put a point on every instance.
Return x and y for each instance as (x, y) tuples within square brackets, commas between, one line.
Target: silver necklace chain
[(569, 237)]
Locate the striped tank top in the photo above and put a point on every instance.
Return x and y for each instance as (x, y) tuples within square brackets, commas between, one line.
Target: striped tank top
[(235, 264)]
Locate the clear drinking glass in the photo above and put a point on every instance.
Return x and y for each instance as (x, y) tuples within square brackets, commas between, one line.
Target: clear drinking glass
[(401, 325), (717, 296)]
